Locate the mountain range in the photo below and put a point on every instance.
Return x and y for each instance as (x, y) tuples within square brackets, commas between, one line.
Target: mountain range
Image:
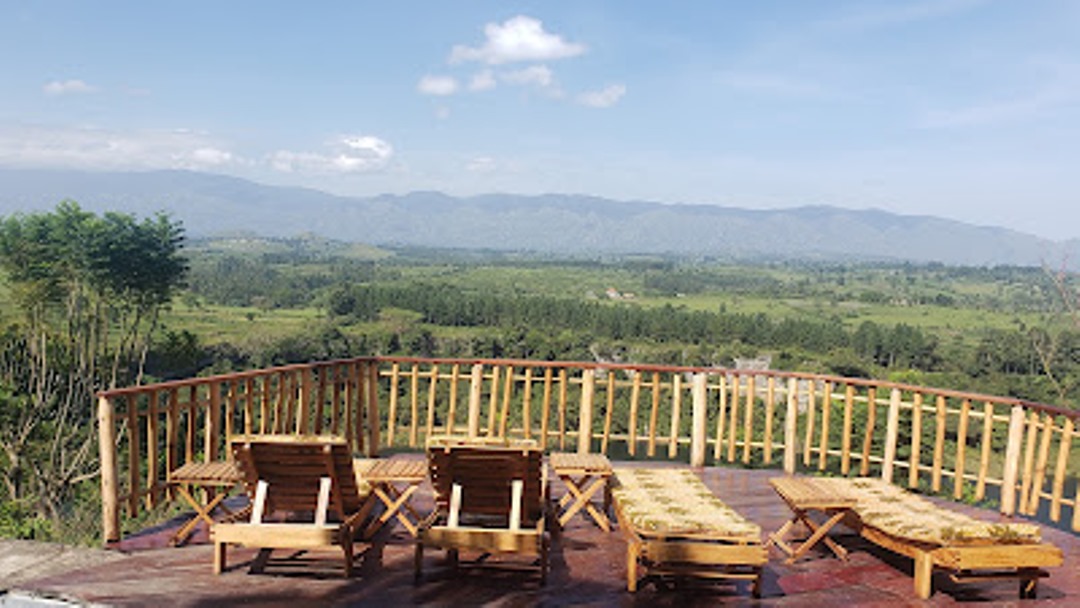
[(211, 204)]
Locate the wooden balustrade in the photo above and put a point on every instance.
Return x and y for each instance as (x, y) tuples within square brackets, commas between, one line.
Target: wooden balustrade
[(1015, 454)]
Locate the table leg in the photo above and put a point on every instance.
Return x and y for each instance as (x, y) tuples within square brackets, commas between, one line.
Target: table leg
[(583, 500)]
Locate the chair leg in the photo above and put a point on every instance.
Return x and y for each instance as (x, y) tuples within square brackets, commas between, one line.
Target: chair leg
[(924, 575), (219, 557), (418, 561), (1029, 587), (544, 564), (347, 547), (755, 588), (631, 567)]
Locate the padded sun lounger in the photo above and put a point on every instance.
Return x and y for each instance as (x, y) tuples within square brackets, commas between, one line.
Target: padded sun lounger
[(967, 548), (674, 525)]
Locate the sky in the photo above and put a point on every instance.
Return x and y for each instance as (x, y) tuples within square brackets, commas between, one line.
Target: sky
[(962, 109)]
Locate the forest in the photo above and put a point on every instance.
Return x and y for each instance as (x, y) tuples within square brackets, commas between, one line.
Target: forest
[(92, 302)]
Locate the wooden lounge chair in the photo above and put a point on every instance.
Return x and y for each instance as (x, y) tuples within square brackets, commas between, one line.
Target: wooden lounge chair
[(295, 474), (967, 548), (674, 525), (488, 498)]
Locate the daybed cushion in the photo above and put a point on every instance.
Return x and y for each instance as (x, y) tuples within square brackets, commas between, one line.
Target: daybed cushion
[(672, 501), (905, 515)]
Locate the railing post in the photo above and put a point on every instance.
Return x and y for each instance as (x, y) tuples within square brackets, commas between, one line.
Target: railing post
[(110, 489), (699, 398), (584, 444), (791, 421), (892, 430), (373, 409), (1017, 419), (476, 385)]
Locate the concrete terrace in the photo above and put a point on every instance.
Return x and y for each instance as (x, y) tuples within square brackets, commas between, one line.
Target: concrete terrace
[(588, 568)]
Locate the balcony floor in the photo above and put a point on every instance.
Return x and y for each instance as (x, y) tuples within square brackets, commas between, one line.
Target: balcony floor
[(588, 568)]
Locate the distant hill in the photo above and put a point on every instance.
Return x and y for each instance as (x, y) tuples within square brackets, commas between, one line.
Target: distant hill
[(212, 205)]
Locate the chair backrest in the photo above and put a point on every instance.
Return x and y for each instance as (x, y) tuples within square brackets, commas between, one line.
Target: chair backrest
[(485, 474), (293, 466)]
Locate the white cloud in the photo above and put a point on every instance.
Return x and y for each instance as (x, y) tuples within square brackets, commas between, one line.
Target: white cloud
[(482, 81), (538, 75), (604, 98), (349, 154), (67, 87), (437, 85), (481, 164), (442, 112), (104, 149), (520, 38)]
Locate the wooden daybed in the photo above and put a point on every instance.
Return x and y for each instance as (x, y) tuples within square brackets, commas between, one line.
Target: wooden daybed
[(967, 548), (675, 526)]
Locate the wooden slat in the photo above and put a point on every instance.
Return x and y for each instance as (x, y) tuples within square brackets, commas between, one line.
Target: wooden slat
[(318, 407), (134, 458), (961, 449), (545, 414), (811, 421), (429, 427), (986, 448), (526, 403), (631, 423), (676, 406), (392, 405), (1040, 465), (826, 414), (1061, 469), (191, 420), (371, 382), (414, 405), (213, 424), (892, 433), (585, 412), (231, 399), (337, 377), (249, 407), (770, 407), (152, 464), (352, 414), (508, 392), (304, 402), (748, 419), (451, 414), (733, 421), (264, 404), (564, 387), (172, 434), (654, 414), (845, 438), (791, 424), (939, 443), (721, 417), (914, 461), (1029, 461), (609, 411), (868, 434)]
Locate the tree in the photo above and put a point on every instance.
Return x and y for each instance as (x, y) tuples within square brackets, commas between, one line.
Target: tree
[(88, 290)]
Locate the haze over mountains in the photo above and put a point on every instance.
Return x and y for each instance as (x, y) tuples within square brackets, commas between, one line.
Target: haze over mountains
[(210, 205)]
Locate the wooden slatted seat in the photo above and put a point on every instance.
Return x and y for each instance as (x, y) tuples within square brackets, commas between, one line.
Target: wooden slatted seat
[(488, 498), (967, 548), (674, 525), (299, 474)]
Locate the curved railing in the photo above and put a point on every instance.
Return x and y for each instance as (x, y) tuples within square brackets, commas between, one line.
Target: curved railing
[(974, 447)]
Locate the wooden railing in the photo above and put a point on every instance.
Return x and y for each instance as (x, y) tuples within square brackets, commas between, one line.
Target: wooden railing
[(972, 446)]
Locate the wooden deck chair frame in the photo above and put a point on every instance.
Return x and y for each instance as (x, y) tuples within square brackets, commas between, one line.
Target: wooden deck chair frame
[(699, 555), (964, 564), (295, 474), (490, 499)]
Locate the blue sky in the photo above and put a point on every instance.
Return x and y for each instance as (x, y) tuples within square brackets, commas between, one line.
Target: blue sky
[(965, 109)]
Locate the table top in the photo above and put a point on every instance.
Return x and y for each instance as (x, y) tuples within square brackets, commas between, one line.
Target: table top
[(392, 469), (810, 493), (581, 464), (222, 473)]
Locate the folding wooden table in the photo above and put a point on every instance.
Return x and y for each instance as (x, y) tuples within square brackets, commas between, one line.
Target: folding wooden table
[(393, 482), (803, 495), (224, 476), (584, 476)]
